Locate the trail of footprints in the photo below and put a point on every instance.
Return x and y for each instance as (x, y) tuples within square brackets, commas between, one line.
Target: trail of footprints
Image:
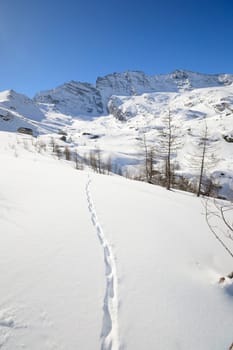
[(109, 333)]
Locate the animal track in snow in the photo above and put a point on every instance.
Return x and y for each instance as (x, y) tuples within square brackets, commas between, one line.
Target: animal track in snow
[(109, 333)]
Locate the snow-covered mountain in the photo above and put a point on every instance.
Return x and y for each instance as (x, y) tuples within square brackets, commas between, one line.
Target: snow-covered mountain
[(115, 114), (75, 98)]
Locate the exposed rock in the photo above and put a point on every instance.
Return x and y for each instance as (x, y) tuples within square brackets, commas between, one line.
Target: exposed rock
[(114, 108), (228, 138)]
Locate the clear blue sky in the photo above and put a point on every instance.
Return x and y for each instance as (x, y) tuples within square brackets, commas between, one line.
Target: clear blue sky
[(45, 43)]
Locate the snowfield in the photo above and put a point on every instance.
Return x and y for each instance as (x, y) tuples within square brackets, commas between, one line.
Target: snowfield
[(93, 262)]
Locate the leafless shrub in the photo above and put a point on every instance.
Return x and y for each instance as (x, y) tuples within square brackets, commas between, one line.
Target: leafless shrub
[(40, 146), (58, 151), (216, 214), (67, 153)]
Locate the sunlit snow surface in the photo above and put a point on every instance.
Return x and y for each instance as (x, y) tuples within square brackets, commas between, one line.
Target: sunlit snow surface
[(101, 262)]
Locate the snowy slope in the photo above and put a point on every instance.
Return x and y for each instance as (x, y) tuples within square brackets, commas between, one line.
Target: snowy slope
[(52, 276), (17, 110), (14, 101), (97, 262)]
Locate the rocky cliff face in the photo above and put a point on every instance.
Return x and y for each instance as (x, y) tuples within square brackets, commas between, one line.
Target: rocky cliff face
[(73, 98), (136, 83), (124, 84)]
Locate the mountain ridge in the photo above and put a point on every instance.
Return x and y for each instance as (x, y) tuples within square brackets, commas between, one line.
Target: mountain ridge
[(82, 98), (93, 98)]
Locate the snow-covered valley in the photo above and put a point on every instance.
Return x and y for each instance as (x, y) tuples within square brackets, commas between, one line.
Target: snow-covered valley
[(113, 117), (92, 261)]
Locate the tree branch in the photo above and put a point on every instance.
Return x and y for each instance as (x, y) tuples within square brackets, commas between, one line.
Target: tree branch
[(213, 229)]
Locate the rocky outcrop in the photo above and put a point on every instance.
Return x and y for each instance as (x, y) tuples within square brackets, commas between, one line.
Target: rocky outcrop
[(114, 107)]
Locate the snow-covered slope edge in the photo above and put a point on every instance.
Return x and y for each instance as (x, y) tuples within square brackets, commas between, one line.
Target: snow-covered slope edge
[(52, 266)]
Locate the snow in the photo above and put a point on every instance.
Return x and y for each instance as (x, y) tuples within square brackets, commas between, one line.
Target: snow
[(110, 328), (52, 277), (169, 265), (90, 261)]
